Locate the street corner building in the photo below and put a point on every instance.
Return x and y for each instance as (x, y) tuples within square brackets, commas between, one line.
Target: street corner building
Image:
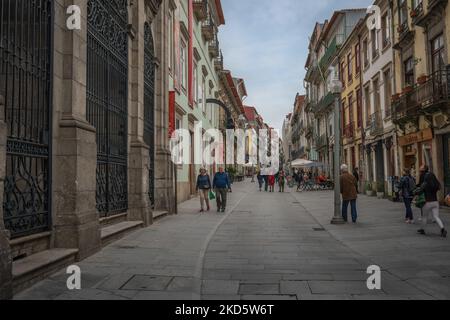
[(84, 130)]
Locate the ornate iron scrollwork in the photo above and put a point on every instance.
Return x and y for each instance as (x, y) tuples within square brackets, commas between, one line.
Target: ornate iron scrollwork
[(149, 105), (107, 100), (25, 83)]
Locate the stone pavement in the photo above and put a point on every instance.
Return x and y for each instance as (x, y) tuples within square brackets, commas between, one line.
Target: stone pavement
[(266, 247)]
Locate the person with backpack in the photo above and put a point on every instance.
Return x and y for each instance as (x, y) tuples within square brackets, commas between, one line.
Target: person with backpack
[(407, 186), (429, 188)]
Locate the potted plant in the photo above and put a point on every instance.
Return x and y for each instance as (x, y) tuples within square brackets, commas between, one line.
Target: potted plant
[(422, 79), (396, 97), (407, 89), (369, 189), (400, 29), (380, 190), (413, 13)]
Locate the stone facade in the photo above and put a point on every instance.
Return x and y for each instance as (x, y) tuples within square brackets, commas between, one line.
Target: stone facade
[(75, 221)]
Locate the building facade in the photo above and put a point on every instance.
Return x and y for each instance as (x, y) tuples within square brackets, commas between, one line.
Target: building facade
[(195, 63), (85, 147), (422, 98), (380, 141)]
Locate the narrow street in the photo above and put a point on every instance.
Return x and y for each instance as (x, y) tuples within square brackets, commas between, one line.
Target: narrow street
[(269, 247)]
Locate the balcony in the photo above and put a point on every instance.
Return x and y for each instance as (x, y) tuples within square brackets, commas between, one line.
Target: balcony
[(324, 104), (329, 54), (417, 13), (322, 142), (405, 36), (309, 131), (213, 47), (435, 12), (201, 9), (431, 96), (349, 131), (218, 62), (209, 29), (375, 125)]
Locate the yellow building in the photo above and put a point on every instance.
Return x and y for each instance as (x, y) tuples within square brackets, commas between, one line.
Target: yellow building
[(422, 103), (350, 73)]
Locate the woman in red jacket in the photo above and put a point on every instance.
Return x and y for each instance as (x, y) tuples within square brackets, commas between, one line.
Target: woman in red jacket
[(271, 183)]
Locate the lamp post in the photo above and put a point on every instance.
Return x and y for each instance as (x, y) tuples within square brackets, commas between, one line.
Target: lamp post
[(336, 89)]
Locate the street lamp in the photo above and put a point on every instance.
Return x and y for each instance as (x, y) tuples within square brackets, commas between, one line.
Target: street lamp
[(336, 89)]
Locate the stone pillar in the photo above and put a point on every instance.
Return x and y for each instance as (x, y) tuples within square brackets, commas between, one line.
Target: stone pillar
[(164, 168), (139, 208), (75, 218), (5, 250)]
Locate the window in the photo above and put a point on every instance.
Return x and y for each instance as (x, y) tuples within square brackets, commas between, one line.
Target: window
[(417, 5), (386, 31), (403, 7), (349, 67), (375, 45), (359, 107), (367, 105), (437, 53), (387, 92), (342, 72), (409, 71), (203, 94), (350, 108), (183, 64), (357, 58), (171, 41), (366, 53), (196, 88), (376, 96)]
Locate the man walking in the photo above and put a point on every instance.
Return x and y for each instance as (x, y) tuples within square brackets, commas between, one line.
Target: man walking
[(430, 188), (349, 193), (222, 186), (407, 186)]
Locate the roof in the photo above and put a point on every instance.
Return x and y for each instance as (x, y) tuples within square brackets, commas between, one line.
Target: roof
[(250, 113), (220, 12)]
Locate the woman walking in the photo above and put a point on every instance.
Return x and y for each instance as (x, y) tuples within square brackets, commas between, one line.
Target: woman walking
[(271, 183), (430, 188), (407, 186), (281, 180), (204, 187)]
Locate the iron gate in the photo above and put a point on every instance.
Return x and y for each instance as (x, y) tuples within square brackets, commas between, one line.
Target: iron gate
[(25, 83), (107, 100), (149, 106)]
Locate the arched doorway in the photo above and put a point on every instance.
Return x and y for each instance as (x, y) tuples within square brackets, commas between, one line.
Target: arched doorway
[(149, 105), (107, 100), (25, 84)]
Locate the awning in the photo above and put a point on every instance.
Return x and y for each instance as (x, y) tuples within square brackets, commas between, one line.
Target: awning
[(300, 163)]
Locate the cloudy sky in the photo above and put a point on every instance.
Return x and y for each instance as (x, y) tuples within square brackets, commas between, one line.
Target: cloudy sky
[(266, 43)]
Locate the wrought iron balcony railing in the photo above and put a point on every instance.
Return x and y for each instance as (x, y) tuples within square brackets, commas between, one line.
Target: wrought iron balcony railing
[(435, 9), (322, 142), (209, 28), (349, 131), (218, 62), (375, 125), (201, 9), (324, 103), (434, 93), (214, 47)]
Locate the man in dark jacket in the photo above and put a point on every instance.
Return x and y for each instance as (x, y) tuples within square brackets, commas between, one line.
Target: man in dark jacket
[(349, 193), (430, 187), (407, 186), (222, 186)]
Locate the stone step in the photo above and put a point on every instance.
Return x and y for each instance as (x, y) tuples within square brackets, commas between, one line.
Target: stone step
[(37, 267), (159, 215), (112, 233)]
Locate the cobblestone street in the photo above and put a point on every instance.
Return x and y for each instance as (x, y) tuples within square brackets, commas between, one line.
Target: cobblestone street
[(266, 246)]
